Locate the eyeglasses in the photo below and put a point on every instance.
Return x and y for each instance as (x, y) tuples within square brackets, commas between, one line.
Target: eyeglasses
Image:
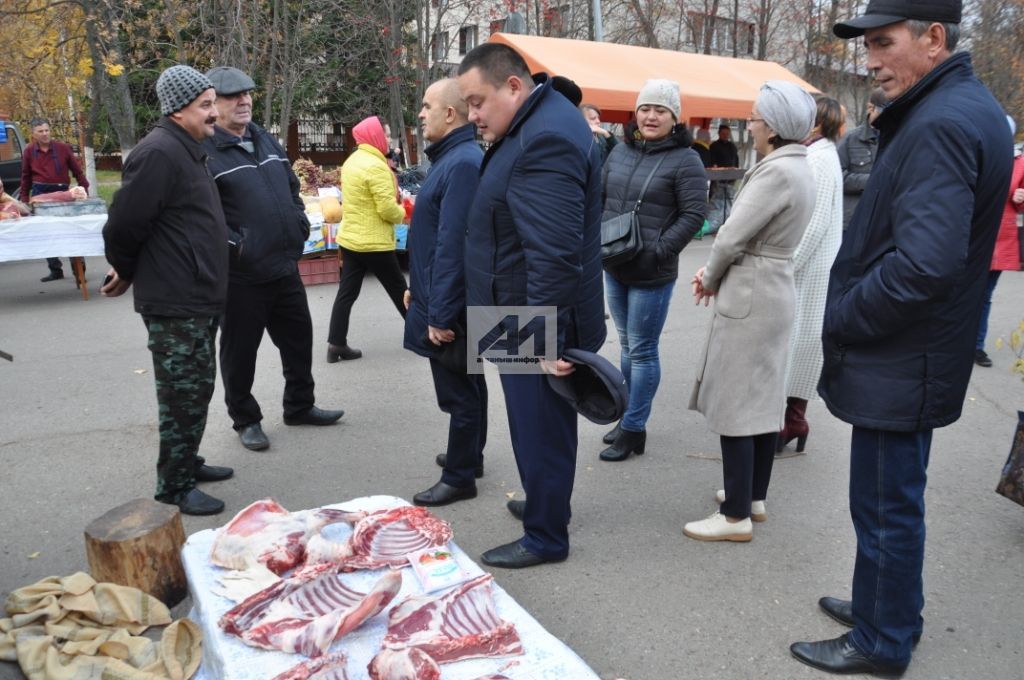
[(755, 120)]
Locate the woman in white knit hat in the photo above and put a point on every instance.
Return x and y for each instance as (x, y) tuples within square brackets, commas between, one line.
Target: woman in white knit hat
[(657, 163), (741, 377)]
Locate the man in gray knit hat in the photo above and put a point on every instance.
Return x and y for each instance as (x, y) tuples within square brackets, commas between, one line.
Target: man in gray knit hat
[(166, 234)]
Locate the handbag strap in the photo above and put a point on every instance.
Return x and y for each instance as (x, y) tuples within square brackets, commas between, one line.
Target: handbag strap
[(647, 182)]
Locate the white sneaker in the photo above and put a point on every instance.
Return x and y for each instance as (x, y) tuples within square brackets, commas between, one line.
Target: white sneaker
[(758, 511), (718, 528)]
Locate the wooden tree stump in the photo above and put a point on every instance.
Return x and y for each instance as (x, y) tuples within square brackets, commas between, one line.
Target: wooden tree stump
[(139, 544)]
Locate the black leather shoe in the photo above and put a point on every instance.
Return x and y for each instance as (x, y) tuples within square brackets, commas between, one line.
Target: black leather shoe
[(213, 473), (315, 416), (517, 509), (611, 435), (980, 357), (514, 556), (839, 656), (58, 275), (443, 494), (253, 438), (336, 353), (195, 502), (842, 611), (626, 443), (442, 458)]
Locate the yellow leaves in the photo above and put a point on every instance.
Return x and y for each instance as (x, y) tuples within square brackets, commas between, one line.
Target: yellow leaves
[(1017, 345), (999, 343), (114, 69), (1015, 340)]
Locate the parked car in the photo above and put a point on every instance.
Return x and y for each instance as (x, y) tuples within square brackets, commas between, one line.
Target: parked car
[(11, 148)]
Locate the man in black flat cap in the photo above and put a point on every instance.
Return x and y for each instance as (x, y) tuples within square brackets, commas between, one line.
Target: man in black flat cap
[(901, 318), (267, 228)]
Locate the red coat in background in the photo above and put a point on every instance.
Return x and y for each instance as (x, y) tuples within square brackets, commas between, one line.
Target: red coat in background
[(1006, 256)]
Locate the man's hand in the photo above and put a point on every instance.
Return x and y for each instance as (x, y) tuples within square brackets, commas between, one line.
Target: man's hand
[(440, 335), (407, 299), (115, 286), (1018, 196), (559, 368)]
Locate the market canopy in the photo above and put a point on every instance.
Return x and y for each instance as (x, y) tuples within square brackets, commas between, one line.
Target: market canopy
[(611, 75)]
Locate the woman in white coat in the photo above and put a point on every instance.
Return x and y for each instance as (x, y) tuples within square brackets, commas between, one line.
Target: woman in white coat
[(812, 262), (741, 378)]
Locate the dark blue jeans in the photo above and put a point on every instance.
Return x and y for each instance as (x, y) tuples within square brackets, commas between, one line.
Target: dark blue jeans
[(639, 315), (993, 279), (888, 472)]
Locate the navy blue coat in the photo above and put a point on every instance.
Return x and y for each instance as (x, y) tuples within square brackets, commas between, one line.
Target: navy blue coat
[(437, 236), (905, 292), (266, 218), (535, 226)]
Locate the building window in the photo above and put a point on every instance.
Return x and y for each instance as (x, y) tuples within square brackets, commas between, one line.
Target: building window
[(727, 33), (439, 46), (467, 39)]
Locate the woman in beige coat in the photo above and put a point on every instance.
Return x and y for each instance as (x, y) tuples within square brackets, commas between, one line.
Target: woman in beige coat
[(741, 377)]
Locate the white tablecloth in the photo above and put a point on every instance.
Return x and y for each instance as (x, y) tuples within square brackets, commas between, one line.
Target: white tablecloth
[(227, 658), (31, 238)]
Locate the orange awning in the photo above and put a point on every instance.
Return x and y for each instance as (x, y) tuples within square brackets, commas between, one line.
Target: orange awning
[(610, 75)]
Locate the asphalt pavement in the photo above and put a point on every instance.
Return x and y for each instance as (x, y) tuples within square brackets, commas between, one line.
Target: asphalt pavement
[(636, 599)]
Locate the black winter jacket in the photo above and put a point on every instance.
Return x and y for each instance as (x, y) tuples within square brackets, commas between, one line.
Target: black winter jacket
[(906, 289), (165, 231), (857, 150), (266, 218), (674, 206)]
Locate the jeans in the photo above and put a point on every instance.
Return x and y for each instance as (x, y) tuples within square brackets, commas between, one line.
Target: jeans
[(639, 315), (888, 472), (993, 279)]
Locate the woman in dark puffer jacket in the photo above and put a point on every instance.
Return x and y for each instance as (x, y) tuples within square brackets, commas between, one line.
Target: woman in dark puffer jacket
[(672, 212)]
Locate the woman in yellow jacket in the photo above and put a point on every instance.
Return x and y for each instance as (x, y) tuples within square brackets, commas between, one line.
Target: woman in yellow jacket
[(370, 209)]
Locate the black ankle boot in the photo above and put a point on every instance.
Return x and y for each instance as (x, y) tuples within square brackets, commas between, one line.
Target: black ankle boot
[(626, 443), (611, 435)]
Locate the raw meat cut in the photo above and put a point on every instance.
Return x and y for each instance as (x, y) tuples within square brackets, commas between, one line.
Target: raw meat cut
[(386, 537), (266, 533), (461, 624), (328, 667), (237, 585), (408, 663), (308, 611)]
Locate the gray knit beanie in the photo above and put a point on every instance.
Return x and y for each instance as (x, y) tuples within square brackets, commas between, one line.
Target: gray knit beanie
[(178, 86), (787, 108), (660, 93)]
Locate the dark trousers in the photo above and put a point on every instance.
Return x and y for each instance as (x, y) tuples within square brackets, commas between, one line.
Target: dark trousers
[(544, 438), (464, 398), (281, 308), (747, 470), (383, 265), (888, 472), (993, 279), (185, 370)]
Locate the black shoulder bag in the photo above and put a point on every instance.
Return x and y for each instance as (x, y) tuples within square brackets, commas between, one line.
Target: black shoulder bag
[(620, 235)]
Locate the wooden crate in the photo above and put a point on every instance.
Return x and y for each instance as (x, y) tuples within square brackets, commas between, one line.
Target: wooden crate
[(317, 270)]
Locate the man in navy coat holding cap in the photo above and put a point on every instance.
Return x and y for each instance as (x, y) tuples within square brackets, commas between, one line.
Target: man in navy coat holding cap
[(904, 299), (533, 239)]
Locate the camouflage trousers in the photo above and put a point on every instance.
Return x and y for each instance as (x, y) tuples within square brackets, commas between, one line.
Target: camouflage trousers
[(185, 369)]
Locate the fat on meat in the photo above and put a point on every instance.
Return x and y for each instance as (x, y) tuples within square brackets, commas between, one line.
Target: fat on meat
[(268, 534), (327, 667), (409, 663), (460, 624), (386, 537), (307, 612)]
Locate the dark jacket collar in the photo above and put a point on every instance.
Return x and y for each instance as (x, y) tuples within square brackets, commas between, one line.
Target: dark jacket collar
[(194, 148), (957, 65), (223, 139), (533, 99), (464, 133)]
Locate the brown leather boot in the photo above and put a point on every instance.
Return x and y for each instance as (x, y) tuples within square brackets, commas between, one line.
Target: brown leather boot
[(795, 426)]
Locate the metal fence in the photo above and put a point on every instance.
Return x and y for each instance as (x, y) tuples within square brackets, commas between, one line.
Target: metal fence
[(320, 135)]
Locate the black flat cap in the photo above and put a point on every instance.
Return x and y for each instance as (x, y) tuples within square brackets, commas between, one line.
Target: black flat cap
[(229, 80), (596, 389), (884, 12)]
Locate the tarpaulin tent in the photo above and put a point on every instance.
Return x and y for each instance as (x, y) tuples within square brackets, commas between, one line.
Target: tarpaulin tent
[(610, 75)]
